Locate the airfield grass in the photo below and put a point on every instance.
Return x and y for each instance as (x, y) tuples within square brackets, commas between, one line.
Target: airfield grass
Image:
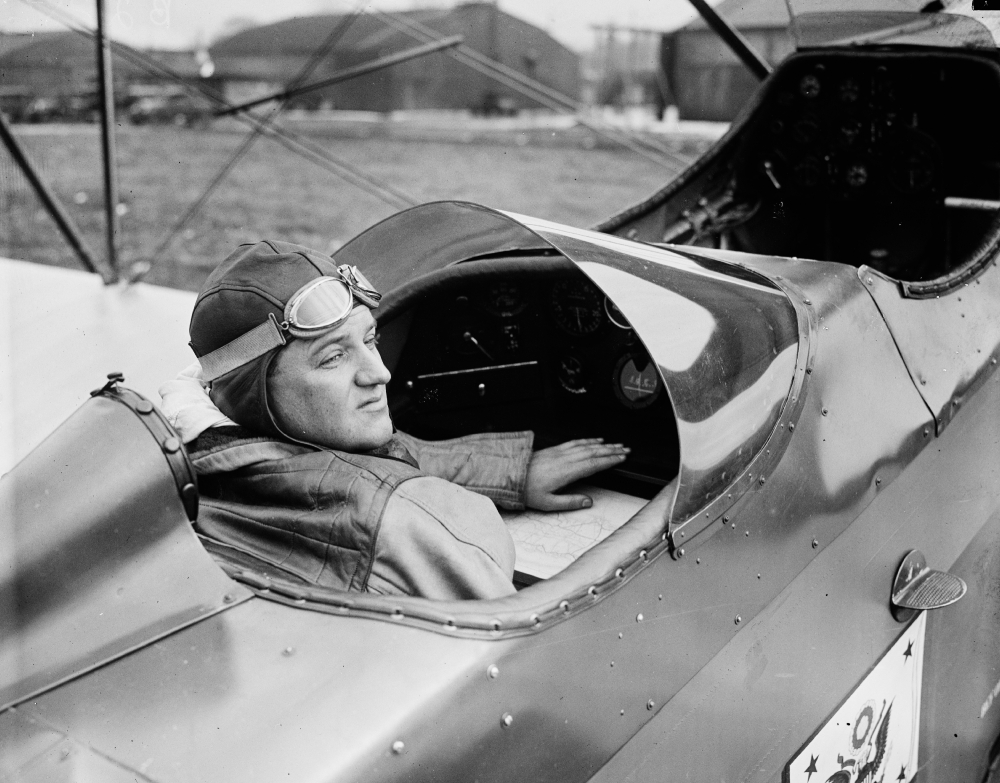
[(274, 193)]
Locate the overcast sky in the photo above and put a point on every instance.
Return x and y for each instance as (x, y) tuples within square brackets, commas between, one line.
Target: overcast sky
[(181, 23)]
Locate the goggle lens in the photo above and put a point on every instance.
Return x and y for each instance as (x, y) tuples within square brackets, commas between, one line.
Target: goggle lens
[(324, 304)]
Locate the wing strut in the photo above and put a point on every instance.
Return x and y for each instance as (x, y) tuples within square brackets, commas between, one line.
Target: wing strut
[(49, 199), (106, 91), (741, 47)]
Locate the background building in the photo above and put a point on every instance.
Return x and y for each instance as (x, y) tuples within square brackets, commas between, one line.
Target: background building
[(624, 68), (54, 75), (264, 59), (706, 79)]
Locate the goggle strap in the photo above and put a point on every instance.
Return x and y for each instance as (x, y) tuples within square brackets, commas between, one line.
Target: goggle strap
[(243, 350)]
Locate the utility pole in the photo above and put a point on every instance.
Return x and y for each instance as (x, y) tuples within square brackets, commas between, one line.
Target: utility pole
[(107, 98)]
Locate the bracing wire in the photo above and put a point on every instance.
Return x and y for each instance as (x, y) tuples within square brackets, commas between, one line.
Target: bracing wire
[(287, 138), (535, 90), (321, 53)]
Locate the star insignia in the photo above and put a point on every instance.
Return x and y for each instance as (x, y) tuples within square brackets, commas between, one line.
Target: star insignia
[(902, 774), (909, 650), (811, 769)]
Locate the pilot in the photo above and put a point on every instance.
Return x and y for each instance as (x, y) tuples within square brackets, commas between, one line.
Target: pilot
[(300, 469)]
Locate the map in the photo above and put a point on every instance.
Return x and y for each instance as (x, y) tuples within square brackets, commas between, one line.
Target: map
[(548, 541)]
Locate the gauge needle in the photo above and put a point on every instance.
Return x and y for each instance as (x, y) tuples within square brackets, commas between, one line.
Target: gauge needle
[(469, 338)]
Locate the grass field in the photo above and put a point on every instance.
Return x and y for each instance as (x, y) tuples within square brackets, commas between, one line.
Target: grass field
[(274, 193)]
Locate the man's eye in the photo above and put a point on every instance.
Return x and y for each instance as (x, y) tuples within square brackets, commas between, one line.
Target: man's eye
[(372, 340), (331, 359)]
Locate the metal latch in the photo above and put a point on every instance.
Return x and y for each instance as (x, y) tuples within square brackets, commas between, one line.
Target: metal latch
[(918, 587)]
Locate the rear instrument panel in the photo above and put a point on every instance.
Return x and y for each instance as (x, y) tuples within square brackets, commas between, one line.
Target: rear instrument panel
[(854, 155)]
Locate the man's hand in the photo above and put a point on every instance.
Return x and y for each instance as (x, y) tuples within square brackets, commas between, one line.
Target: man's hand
[(552, 469)]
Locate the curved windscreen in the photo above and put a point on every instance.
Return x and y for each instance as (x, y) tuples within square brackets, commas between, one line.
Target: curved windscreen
[(724, 340), (893, 23)]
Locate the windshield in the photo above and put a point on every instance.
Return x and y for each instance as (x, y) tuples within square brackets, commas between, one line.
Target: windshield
[(725, 341), (893, 23)]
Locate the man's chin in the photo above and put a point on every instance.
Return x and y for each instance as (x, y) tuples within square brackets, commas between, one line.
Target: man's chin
[(379, 432)]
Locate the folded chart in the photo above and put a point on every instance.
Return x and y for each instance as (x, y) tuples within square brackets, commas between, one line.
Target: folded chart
[(548, 541)]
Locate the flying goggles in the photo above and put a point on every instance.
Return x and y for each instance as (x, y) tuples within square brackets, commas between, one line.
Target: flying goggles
[(320, 304)]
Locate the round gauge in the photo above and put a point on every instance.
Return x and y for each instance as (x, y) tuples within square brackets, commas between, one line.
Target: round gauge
[(637, 384), (850, 91), (856, 175), (572, 375), (850, 130), (616, 316), (505, 300), (576, 307), (805, 130), (809, 86)]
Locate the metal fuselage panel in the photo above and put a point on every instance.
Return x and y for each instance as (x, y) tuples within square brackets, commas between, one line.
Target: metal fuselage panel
[(262, 692), (751, 708), (720, 664)]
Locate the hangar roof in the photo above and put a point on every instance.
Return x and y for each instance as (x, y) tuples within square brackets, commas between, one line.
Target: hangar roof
[(307, 33)]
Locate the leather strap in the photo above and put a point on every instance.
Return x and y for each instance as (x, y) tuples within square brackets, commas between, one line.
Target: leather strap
[(244, 349)]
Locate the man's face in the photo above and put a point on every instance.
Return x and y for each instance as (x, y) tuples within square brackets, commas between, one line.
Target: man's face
[(330, 390)]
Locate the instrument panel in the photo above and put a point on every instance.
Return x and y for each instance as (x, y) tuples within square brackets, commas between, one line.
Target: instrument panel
[(851, 157), (547, 352)]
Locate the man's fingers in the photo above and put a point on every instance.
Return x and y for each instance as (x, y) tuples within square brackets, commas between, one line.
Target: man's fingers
[(596, 450), (567, 502), (578, 443), (615, 452), (588, 467)]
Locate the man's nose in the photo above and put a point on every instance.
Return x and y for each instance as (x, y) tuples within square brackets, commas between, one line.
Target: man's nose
[(372, 371)]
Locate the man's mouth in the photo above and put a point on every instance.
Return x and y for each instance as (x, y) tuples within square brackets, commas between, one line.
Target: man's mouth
[(373, 404)]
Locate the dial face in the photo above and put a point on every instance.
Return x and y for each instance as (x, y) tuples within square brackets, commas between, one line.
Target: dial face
[(572, 375), (637, 385), (505, 300), (805, 130), (577, 307), (850, 91), (856, 175), (809, 86)]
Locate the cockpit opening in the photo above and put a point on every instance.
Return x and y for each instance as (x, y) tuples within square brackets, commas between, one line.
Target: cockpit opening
[(865, 157), (530, 343)]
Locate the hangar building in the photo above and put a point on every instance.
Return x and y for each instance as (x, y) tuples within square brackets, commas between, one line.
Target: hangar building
[(62, 66), (264, 59), (706, 79)]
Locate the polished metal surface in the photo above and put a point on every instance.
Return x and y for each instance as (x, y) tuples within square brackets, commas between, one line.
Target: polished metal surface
[(726, 345), (950, 343), (96, 554), (221, 701), (746, 712)]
